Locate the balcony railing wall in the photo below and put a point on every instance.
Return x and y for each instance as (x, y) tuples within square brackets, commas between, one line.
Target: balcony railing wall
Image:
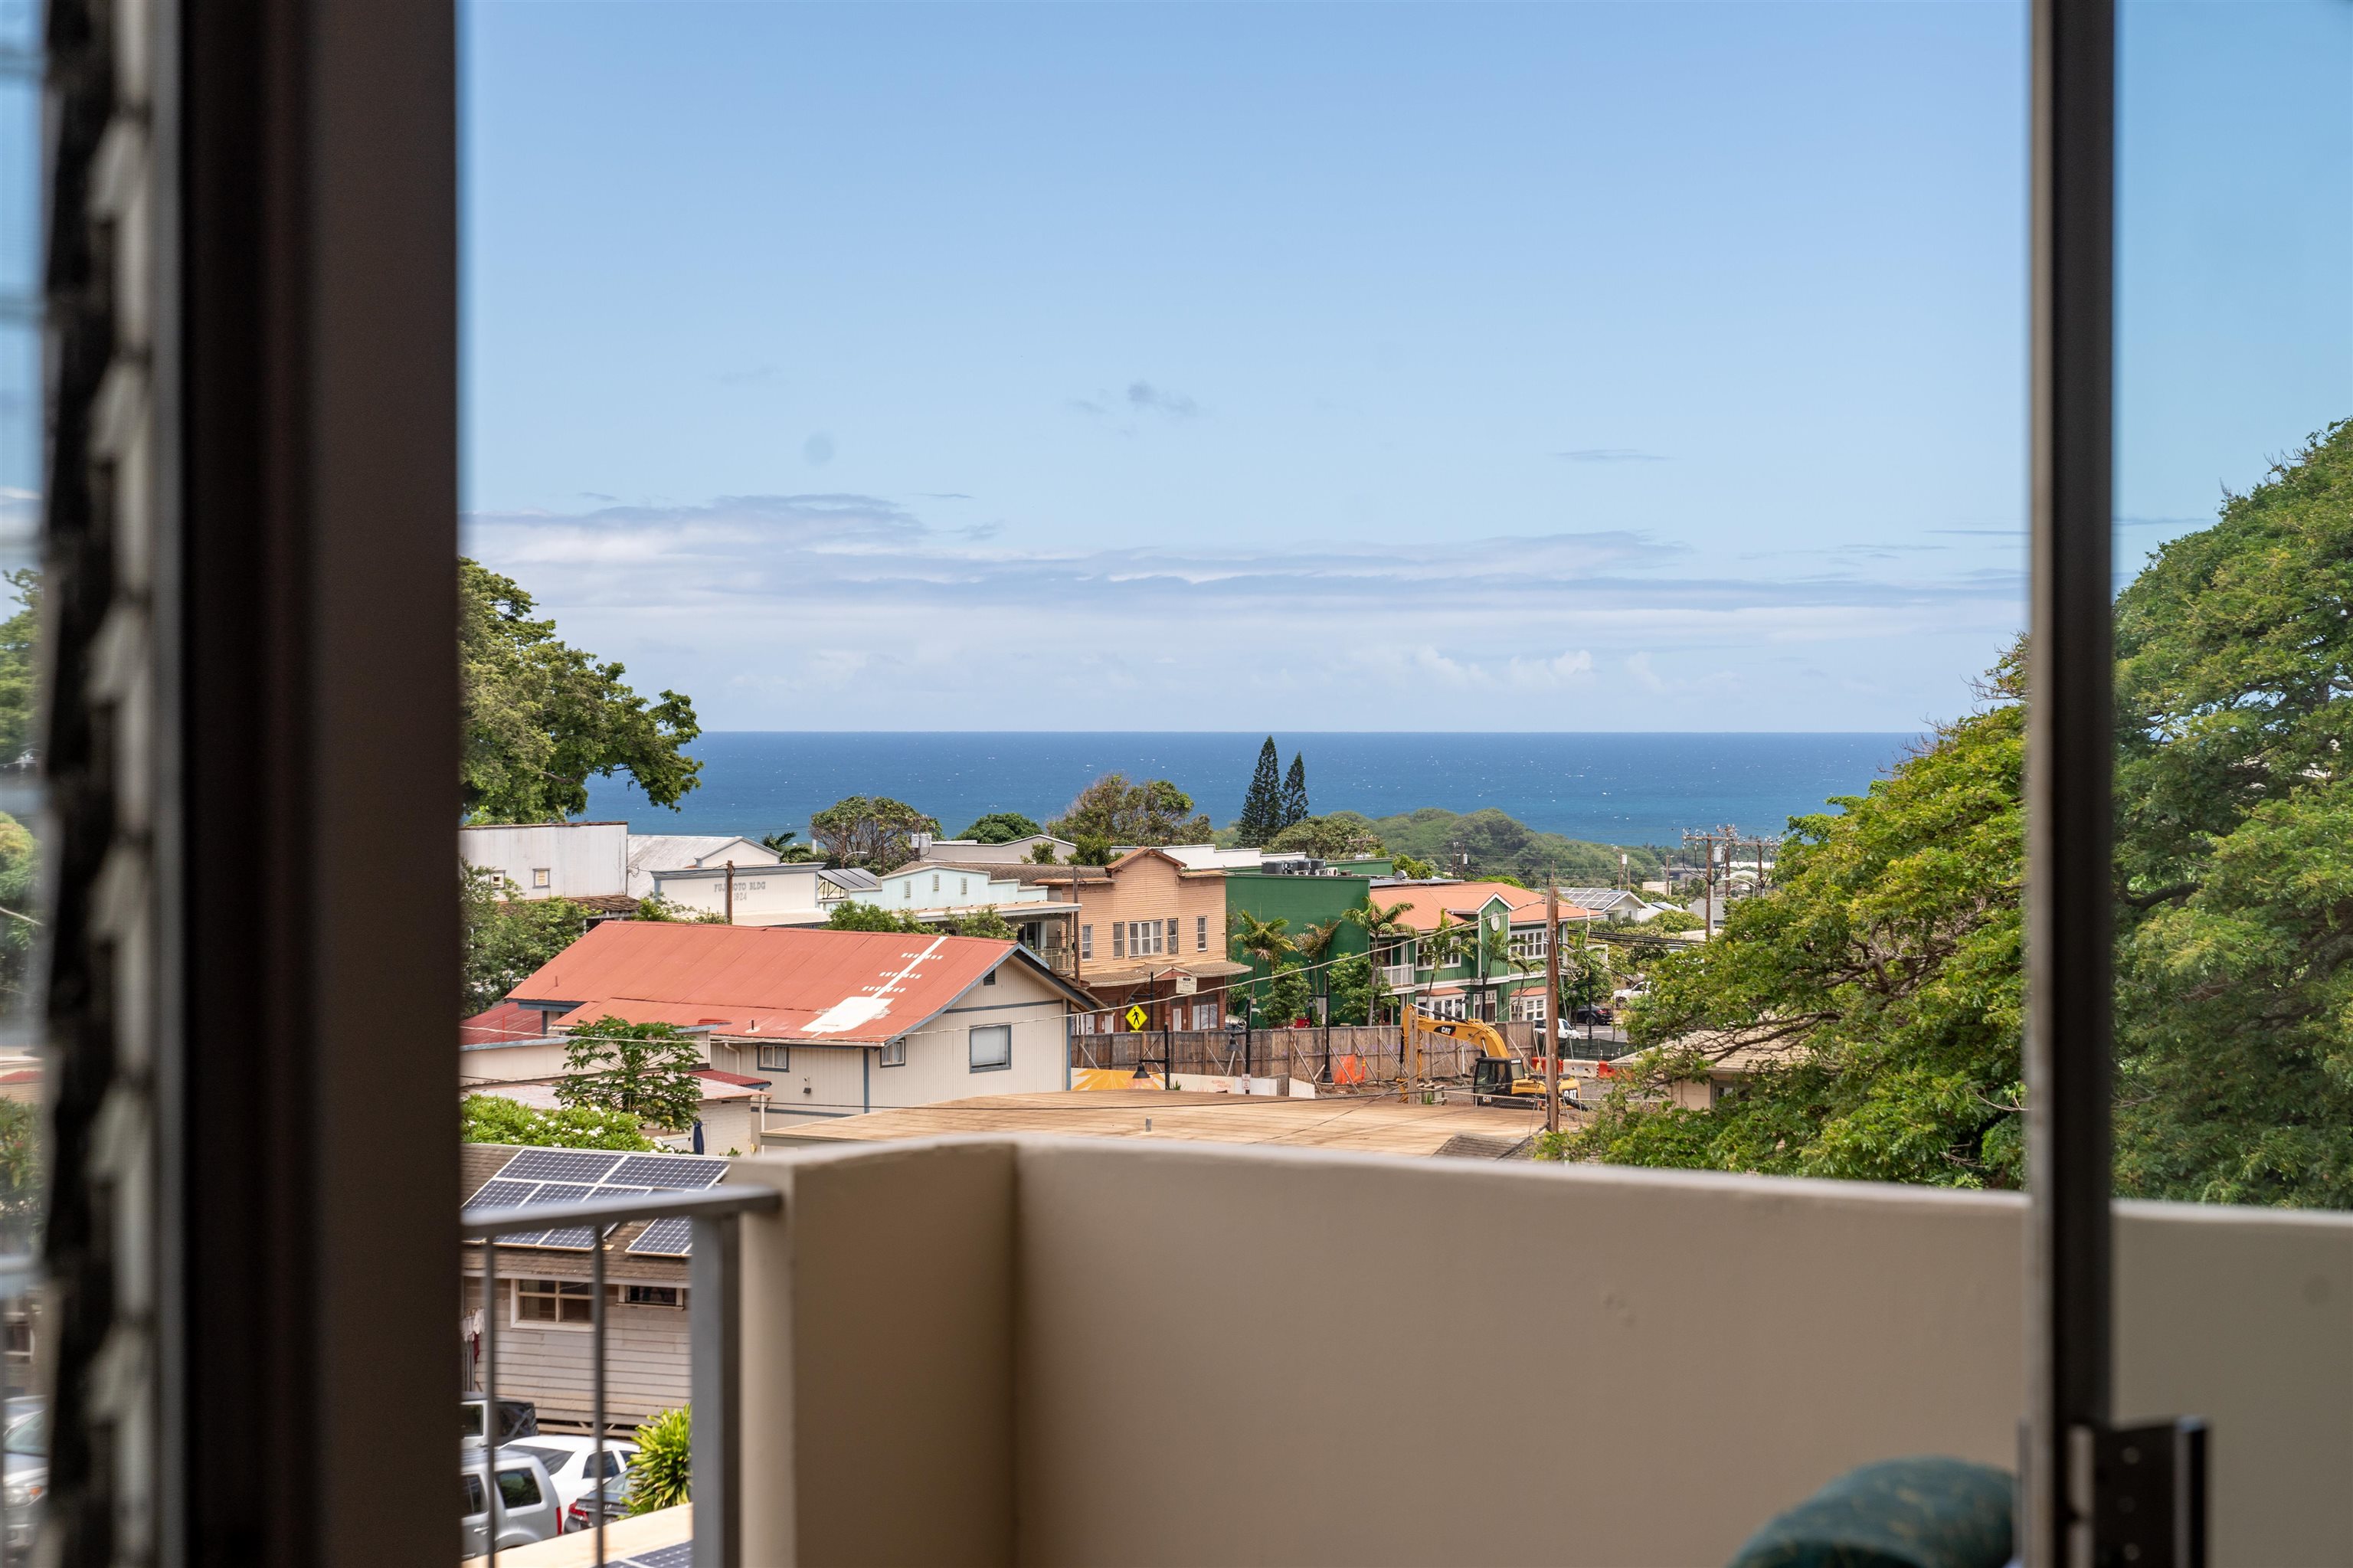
[(1077, 1352)]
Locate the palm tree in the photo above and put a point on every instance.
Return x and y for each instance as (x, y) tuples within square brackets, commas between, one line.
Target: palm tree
[(1312, 943), (1378, 922), (1264, 942)]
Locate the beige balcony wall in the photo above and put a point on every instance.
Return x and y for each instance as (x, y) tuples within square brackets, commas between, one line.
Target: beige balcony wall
[(1105, 1352)]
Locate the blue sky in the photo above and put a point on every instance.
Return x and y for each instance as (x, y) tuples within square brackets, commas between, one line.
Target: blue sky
[(1449, 366)]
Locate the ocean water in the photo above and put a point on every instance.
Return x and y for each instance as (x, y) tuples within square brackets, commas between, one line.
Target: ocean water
[(1613, 788)]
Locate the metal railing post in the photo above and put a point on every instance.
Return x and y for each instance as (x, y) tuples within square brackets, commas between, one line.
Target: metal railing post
[(597, 1387), (490, 1397), (716, 1319)]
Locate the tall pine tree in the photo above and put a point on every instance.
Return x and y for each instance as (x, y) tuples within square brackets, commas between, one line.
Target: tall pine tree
[(1294, 794), (1262, 816)]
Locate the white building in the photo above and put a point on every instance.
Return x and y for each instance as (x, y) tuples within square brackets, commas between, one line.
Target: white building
[(651, 854), (938, 887), (835, 1023), (553, 860), (1013, 852)]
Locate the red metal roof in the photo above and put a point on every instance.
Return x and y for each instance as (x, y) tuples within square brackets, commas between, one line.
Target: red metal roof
[(500, 1025), (763, 982)]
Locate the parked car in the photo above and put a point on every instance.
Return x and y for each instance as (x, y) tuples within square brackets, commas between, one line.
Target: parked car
[(517, 1418), (612, 1499), (26, 1449), (519, 1509), (572, 1462)]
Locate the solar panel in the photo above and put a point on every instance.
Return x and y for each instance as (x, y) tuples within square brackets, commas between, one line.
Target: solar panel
[(496, 1194), (677, 1172), (679, 1556), (584, 1165), (536, 1176), (666, 1238)]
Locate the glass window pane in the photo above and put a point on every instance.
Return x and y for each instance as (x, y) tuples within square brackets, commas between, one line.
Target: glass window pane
[(2234, 664)]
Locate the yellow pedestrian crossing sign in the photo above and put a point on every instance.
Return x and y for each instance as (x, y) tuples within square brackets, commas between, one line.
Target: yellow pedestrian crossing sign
[(1137, 1017)]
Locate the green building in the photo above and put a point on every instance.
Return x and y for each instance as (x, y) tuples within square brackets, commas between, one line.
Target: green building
[(1300, 902)]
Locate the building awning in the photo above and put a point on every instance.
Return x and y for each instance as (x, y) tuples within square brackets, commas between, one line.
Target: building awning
[(1126, 974)]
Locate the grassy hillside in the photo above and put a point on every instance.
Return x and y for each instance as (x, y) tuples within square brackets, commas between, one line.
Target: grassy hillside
[(1496, 842)]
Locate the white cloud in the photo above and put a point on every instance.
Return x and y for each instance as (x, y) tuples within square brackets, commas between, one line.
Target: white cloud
[(849, 612)]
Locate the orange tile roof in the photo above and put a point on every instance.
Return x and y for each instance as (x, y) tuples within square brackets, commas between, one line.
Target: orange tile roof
[(1463, 900), (778, 982)]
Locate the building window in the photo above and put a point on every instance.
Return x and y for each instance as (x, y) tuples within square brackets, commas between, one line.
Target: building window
[(988, 979), (935, 882), (539, 876), (1205, 1016), (895, 1053), (1086, 941), (563, 1303), (1528, 944), (1174, 945), (1200, 932), (1143, 938), (992, 1047), (1528, 1006), (653, 1296), (1118, 938), (777, 1058)]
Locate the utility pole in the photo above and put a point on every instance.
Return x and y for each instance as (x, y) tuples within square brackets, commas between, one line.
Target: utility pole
[(1552, 1004), (731, 893)]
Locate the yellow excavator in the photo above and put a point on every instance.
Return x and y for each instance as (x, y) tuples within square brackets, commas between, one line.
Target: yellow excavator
[(1496, 1078)]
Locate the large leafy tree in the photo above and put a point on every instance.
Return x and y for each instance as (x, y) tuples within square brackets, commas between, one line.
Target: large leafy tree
[(871, 831), (641, 1070), (508, 939), (1154, 811), (1001, 828), (1261, 813), (494, 1118), (19, 649), (2234, 787), (1334, 837), (543, 717), (1877, 991)]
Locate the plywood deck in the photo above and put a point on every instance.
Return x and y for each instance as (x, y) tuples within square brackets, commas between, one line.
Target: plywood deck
[(1365, 1126)]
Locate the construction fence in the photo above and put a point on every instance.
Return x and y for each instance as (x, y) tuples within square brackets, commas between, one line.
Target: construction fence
[(1343, 1056)]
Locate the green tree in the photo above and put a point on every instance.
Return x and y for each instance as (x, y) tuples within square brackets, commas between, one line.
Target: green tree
[(985, 923), (20, 637), (508, 939), (654, 907), (1284, 996), (1092, 849), (19, 882), (1043, 854), (494, 1118), (851, 915), (874, 831), (1878, 988), (1674, 920), (1153, 812), (1001, 828), (1407, 865), (640, 1070), (1261, 813), (1352, 986), (1294, 810), (1313, 946), (660, 1475), (543, 717), (1342, 835), (1585, 977), (1380, 923), (2234, 700), (1497, 842), (787, 851)]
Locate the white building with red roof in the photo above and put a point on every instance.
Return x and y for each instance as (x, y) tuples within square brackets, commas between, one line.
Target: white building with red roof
[(835, 1023)]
